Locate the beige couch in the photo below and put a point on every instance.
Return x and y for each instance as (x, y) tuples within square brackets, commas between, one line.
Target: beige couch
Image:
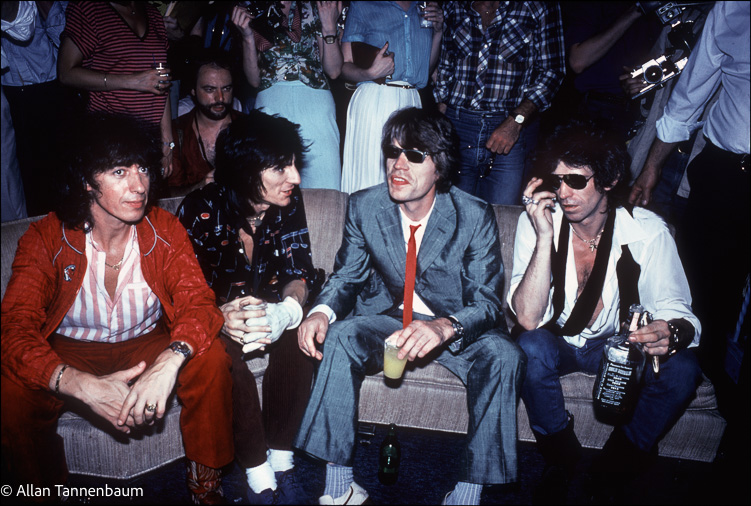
[(430, 397)]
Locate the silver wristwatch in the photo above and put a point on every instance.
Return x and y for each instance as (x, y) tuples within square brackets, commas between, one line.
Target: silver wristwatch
[(180, 348), (458, 328)]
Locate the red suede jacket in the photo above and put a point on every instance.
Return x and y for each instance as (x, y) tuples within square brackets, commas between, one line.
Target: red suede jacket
[(48, 271)]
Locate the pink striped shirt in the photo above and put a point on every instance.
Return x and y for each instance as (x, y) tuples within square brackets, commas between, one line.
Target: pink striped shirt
[(95, 316)]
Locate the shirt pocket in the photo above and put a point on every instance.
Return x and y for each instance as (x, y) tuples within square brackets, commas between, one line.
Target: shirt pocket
[(514, 41)]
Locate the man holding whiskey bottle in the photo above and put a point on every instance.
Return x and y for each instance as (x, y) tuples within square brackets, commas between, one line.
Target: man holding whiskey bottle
[(578, 257)]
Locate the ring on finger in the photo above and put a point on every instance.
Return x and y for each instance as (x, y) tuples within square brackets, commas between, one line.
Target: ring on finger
[(529, 200), (150, 408)]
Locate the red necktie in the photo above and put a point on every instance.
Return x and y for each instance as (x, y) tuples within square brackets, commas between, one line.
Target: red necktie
[(409, 276)]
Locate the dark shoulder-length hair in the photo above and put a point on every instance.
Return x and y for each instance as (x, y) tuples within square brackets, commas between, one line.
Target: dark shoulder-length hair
[(249, 145), (585, 143), (101, 142), (429, 131)]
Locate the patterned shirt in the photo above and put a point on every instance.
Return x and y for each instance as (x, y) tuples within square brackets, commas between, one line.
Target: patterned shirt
[(295, 57), (281, 251), (520, 56), (108, 44)]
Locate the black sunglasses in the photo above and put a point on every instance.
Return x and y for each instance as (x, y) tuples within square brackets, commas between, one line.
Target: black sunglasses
[(573, 181), (413, 155)]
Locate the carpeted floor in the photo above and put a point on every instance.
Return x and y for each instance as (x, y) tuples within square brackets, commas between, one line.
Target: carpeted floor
[(429, 470)]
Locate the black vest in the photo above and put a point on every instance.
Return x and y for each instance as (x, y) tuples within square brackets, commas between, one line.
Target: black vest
[(627, 271)]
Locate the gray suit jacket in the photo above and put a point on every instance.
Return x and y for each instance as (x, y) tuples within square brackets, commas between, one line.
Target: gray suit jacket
[(459, 266)]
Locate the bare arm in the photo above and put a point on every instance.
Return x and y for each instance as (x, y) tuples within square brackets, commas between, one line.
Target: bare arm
[(584, 54), (331, 54), (530, 300), (434, 13), (383, 65), (241, 18), (71, 73), (166, 127), (297, 289), (641, 192)]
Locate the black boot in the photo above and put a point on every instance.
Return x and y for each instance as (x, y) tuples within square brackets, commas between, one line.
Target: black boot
[(616, 468), (561, 451)]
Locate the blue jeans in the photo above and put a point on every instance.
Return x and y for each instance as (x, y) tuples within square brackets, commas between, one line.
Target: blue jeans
[(491, 367), (495, 178), (662, 399)]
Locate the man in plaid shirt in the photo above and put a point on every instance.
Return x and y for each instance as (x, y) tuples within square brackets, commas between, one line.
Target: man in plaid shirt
[(501, 63)]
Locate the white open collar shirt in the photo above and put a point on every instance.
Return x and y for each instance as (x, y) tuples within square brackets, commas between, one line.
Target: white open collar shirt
[(663, 288)]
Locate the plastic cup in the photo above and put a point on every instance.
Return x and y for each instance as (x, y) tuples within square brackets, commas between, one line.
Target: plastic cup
[(393, 368)]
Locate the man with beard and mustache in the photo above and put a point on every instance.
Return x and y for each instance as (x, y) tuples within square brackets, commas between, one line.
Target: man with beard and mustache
[(195, 132), (580, 261)]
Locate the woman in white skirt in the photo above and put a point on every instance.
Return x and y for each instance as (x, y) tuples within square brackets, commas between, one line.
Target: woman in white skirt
[(406, 56), (291, 72)]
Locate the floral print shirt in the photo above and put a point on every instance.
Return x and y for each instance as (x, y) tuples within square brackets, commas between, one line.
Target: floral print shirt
[(295, 57), (281, 251)]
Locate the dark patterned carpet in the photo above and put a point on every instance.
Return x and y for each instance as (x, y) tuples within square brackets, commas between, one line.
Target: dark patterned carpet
[(429, 470)]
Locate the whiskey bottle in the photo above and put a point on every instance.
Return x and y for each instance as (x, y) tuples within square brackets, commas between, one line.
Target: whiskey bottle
[(618, 381)]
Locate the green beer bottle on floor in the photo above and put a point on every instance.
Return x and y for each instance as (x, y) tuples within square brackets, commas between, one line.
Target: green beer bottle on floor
[(389, 457)]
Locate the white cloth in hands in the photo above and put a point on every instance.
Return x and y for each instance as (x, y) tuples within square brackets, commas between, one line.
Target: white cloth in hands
[(280, 317)]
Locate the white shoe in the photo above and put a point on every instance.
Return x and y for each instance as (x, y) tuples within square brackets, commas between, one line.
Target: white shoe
[(355, 495)]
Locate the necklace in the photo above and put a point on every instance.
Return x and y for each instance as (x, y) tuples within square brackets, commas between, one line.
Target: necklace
[(117, 265), (200, 142), (256, 221), (592, 243)]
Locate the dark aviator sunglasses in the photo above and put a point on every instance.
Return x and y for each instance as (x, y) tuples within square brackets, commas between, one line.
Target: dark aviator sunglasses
[(573, 181), (413, 155)]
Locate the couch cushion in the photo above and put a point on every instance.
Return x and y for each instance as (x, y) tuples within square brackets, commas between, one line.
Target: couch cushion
[(98, 450)]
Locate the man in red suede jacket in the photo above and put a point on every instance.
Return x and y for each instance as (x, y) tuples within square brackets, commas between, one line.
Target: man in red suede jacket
[(107, 307)]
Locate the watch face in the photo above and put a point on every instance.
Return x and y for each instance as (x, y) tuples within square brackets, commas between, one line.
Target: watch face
[(519, 119)]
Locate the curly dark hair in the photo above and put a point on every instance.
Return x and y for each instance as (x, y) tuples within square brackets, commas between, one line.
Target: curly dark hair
[(250, 145), (585, 143), (424, 130), (100, 142)]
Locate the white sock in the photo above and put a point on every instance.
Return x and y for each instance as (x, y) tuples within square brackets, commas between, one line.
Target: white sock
[(280, 460), (261, 477)]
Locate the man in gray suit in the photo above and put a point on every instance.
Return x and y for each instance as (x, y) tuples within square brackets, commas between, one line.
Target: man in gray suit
[(457, 309)]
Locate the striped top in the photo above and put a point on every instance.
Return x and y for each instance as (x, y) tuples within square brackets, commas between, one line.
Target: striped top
[(95, 316), (108, 44)]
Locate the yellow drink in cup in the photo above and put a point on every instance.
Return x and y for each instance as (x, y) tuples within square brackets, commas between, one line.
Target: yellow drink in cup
[(393, 368)]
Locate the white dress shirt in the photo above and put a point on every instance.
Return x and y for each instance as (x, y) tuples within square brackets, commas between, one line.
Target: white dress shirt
[(663, 288)]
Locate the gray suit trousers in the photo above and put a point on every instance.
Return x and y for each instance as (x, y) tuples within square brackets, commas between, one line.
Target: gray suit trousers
[(492, 368)]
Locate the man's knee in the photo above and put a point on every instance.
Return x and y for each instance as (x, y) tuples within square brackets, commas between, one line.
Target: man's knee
[(501, 357), (684, 373)]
